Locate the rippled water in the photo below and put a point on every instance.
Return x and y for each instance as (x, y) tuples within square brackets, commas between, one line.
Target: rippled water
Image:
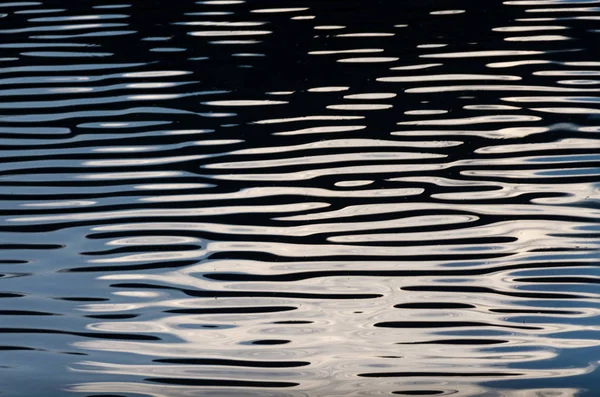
[(300, 198)]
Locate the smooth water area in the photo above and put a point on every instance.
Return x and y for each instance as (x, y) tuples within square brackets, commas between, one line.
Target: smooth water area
[(301, 198)]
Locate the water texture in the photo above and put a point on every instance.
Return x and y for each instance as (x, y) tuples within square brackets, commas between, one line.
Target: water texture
[(317, 198)]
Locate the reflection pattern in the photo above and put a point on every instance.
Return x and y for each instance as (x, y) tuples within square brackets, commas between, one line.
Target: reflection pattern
[(251, 198)]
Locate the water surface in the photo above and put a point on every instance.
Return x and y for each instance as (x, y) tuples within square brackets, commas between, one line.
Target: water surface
[(302, 198)]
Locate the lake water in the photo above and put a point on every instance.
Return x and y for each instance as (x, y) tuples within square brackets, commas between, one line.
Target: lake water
[(301, 198)]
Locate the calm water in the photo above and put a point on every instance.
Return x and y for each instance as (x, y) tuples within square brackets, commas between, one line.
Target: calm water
[(301, 198)]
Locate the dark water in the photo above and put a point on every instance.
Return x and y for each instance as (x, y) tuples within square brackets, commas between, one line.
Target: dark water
[(300, 198)]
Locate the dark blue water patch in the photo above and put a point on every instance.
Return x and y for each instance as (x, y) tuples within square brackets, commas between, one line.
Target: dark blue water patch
[(585, 383)]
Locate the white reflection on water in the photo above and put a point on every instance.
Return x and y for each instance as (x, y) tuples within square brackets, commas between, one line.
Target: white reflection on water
[(228, 33), (335, 324), (158, 390), (264, 192), (368, 60), (279, 10), (320, 130), (447, 77), (371, 96), (307, 230)]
